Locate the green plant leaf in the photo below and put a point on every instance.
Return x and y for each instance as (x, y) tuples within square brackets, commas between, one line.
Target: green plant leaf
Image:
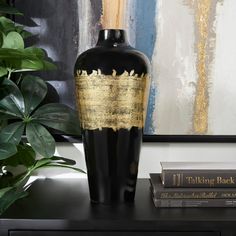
[(5, 88), (1, 38), (4, 91), (13, 102), (3, 71), (49, 66), (16, 54), (58, 116), (13, 40), (29, 58), (25, 156), (40, 139), (27, 65), (65, 166), (62, 160), (3, 123), (24, 34), (7, 115), (34, 90), (9, 179), (11, 196), (4, 190), (6, 179), (56, 161), (32, 65), (6, 25), (14, 189), (42, 162), (37, 52), (6, 9), (12, 133), (7, 150)]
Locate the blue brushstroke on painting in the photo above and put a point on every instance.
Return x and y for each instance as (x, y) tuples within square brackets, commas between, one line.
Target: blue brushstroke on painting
[(145, 42), (145, 26), (149, 127)]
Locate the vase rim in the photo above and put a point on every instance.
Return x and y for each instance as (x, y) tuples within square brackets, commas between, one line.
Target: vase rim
[(111, 37), (112, 29)]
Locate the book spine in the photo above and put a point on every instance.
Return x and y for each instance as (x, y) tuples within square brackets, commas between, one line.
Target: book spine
[(182, 203), (199, 179), (200, 194)]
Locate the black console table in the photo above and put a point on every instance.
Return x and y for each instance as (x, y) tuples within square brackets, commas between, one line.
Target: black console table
[(62, 208)]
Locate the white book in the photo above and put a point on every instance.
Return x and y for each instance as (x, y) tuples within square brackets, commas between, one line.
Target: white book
[(198, 166)]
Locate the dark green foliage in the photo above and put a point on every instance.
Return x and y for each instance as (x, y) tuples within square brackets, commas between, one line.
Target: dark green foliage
[(21, 113)]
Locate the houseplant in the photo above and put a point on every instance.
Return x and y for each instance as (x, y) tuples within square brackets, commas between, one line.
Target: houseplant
[(20, 112)]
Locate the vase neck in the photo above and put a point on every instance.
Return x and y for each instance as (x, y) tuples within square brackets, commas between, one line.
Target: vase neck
[(112, 38)]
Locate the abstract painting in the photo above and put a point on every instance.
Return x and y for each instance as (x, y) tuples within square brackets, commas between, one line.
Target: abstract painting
[(191, 45)]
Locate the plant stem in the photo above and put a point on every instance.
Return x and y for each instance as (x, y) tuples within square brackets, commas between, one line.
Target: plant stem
[(9, 73)]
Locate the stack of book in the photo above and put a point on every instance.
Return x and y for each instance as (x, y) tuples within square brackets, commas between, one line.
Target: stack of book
[(194, 184)]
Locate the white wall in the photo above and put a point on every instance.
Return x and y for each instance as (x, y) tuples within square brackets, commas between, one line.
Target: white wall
[(151, 155)]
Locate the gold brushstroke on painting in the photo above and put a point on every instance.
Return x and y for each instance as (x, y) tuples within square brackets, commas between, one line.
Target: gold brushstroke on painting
[(111, 101), (202, 13)]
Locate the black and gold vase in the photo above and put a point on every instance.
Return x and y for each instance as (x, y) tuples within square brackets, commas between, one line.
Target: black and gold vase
[(112, 84)]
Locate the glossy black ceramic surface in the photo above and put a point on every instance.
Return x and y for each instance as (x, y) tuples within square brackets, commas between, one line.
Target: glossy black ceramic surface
[(112, 52), (112, 157)]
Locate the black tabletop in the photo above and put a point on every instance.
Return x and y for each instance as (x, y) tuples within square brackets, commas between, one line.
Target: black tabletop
[(65, 204)]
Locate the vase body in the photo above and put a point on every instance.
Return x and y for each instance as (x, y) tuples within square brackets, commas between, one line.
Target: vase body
[(112, 85)]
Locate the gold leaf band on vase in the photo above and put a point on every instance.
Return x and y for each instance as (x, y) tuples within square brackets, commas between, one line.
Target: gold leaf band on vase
[(111, 101)]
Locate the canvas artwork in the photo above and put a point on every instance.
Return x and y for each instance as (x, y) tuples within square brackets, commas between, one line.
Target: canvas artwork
[(191, 45)]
